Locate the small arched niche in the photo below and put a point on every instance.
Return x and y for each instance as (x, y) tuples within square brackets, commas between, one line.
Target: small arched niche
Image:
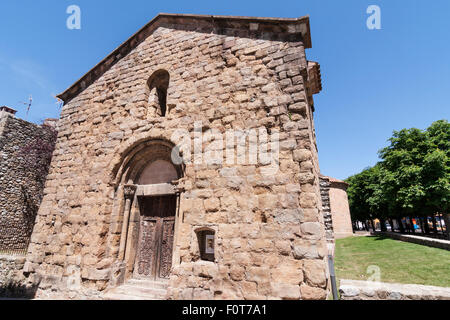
[(158, 83)]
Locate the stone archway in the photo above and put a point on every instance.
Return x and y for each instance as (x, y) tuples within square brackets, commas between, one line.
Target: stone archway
[(146, 206)]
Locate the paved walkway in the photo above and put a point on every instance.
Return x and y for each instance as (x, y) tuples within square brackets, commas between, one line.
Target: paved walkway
[(427, 238), (368, 290), (362, 234)]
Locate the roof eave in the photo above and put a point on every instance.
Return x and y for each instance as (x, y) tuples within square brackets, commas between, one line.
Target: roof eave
[(114, 56)]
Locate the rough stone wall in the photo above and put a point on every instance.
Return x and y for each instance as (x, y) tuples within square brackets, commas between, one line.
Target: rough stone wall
[(340, 210), (21, 186), (270, 235), (11, 277), (326, 208)]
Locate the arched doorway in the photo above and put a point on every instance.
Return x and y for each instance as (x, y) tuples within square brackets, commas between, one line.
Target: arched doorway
[(150, 207), (156, 223)]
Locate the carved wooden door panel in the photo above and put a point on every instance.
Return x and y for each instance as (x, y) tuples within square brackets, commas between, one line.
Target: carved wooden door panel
[(166, 247), (157, 226), (148, 247)]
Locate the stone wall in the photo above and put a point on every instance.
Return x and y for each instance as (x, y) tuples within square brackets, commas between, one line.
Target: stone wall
[(367, 290), (270, 233), (326, 207), (12, 281), (340, 209), (22, 178)]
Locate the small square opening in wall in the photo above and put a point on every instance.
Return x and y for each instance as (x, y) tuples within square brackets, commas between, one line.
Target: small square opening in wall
[(206, 243)]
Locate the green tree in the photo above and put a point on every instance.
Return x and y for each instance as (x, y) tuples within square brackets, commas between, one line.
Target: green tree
[(411, 180), (367, 197), (436, 168), (403, 159)]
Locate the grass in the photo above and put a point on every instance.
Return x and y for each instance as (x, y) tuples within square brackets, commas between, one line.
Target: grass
[(399, 262)]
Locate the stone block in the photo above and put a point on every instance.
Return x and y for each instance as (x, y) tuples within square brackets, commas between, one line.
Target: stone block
[(315, 272), (312, 293), (286, 291)]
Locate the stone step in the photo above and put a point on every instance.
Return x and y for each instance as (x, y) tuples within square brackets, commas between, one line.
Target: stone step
[(136, 289), (158, 284), (125, 297), (141, 291)]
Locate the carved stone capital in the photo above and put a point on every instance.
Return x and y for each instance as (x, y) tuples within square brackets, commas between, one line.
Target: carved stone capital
[(129, 191), (179, 185)]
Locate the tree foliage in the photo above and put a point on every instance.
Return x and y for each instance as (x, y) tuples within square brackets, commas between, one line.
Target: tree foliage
[(412, 177)]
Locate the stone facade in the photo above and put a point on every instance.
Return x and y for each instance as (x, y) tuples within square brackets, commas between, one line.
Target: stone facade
[(12, 281), (227, 73), (21, 183)]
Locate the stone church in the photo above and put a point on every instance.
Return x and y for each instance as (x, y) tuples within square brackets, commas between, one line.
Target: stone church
[(123, 217)]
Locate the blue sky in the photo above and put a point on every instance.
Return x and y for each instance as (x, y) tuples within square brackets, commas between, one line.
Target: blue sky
[(374, 81)]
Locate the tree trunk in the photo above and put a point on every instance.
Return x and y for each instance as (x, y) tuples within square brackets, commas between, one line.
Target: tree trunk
[(422, 228), (400, 225), (374, 226), (427, 227), (383, 225), (411, 223), (435, 231), (366, 225), (447, 224)]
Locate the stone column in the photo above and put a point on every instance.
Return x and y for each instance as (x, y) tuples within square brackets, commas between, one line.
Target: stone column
[(129, 192)]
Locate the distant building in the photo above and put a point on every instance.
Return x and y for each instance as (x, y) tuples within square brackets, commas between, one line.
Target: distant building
[(4, 111), (336, 208)]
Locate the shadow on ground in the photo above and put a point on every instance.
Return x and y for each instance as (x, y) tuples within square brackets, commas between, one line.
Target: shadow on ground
[(380, 238), (14, 291)]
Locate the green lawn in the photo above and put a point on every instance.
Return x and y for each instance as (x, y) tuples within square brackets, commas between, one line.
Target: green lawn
[(399, 262)]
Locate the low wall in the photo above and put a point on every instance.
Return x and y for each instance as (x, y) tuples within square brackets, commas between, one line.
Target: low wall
[(430, 242), (369, 290), (12, 281)]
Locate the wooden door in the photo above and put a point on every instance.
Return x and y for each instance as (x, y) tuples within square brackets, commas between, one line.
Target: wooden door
[(157, 226)]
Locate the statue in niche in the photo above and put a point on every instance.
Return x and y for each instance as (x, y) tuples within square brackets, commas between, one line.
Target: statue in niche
[(153, 100), (153, 104)]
